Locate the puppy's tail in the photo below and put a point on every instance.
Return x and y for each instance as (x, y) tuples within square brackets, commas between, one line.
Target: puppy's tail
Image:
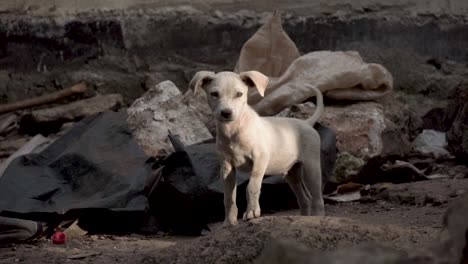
[(319, 109)]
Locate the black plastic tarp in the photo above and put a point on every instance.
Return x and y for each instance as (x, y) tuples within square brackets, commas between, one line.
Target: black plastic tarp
[(95, 172)]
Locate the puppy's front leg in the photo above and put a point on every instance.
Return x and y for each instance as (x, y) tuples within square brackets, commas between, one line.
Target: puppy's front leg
[(228, 174), (253, 189)]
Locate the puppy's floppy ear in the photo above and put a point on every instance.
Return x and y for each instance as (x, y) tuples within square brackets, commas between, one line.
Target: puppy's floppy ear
[(255, 79), (200, 80)]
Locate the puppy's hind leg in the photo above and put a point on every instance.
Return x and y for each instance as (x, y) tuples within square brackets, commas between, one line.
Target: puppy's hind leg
[(295, 180), (312, 176)]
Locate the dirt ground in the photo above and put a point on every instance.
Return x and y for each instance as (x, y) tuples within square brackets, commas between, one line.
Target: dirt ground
[(386, 219)]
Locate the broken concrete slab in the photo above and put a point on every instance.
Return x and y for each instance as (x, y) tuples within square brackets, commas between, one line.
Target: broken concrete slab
[(358, 127), (159, 111)]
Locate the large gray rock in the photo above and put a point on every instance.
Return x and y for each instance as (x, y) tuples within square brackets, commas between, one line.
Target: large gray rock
[(159, 111), (358, 127)]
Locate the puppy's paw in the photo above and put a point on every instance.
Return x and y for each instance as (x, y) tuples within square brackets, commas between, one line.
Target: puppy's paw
[(229, 222), (251, 214)]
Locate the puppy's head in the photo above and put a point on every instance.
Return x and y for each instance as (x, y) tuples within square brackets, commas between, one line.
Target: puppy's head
[(227, 91)]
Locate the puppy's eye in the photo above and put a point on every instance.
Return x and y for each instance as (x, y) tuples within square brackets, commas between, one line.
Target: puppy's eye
[(214, 94), (238, 94)]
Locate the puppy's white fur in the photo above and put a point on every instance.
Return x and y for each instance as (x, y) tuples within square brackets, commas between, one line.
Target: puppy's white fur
[(261, 145)]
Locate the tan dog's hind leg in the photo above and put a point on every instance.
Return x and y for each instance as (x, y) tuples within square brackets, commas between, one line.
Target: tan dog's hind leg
[(295, 180), (228, 175), (253, 189), (310, 171)]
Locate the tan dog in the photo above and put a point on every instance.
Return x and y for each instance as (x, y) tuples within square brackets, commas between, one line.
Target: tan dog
[(261, 145)]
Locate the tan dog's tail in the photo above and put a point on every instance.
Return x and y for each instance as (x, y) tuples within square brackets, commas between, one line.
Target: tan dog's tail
[(319, 109)]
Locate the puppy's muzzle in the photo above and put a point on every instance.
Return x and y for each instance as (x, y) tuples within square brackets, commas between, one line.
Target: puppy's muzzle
[(226, 115)]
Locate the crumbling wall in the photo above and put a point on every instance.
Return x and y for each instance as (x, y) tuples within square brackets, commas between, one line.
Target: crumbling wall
[(127, 49)]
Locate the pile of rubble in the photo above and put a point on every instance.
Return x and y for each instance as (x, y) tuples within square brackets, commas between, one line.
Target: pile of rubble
[(97, 160)]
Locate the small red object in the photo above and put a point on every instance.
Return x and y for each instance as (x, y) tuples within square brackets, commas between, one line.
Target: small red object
[(59, 238)]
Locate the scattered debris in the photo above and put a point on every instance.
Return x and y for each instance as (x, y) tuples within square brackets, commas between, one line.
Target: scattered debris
[(431, 142), (44, 99), (401, 165), (347, 192), (342, 198), (74, 231), (350, 187), (160, 110), (38, 119), (392, 168)]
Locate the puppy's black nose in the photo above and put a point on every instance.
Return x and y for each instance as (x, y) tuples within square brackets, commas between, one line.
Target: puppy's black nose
[(226, 113)]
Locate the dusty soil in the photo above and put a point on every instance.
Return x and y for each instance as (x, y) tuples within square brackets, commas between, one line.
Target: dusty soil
[(384, 219)]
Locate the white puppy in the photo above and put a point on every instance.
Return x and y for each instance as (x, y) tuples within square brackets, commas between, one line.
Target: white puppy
[(261, 145)]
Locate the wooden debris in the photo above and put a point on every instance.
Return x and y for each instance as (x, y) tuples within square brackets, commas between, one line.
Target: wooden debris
[(75, 110), (399, 164), (44, 99)]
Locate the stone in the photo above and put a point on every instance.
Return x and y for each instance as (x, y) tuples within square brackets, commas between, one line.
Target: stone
[(346, 166), (358, 127), (160, 110), (431, 142)]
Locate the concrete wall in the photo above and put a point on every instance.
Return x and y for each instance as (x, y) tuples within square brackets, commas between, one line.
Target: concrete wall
[(454, 7)]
